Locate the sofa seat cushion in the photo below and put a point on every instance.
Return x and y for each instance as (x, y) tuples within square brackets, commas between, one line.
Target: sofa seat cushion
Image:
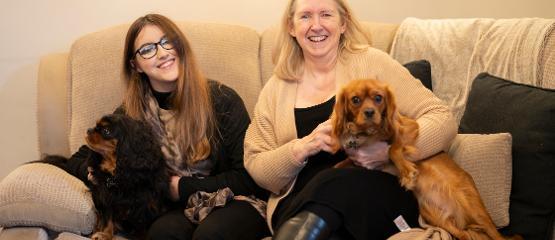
[(497, 105), (43, 195), (24, 233)]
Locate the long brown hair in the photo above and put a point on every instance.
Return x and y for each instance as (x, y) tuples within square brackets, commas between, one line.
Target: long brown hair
[(287, 55), (191, 102)]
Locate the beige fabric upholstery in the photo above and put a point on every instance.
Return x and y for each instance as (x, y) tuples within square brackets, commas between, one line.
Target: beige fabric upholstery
[(226, 53), (52, 105), (381, 34), (446, 43), (267, 41), (23, 233), (460, 49), (487, 158), (547, 64), (43, 195)]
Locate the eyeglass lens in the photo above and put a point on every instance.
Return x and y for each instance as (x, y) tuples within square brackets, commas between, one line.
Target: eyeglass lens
[(149, 50)]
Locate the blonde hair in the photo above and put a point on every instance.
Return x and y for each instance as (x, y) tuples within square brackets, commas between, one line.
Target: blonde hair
[(191, 102), (287, 55)]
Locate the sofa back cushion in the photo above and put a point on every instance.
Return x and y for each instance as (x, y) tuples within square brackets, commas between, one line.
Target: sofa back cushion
[(227, 53)]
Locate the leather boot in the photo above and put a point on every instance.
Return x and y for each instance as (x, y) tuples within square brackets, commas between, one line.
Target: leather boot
[(304, 226)]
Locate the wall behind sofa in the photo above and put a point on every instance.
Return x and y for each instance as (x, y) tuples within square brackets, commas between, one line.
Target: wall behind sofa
[(30, 29)]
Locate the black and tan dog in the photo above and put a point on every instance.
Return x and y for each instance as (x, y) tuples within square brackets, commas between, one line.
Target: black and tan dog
[(129, 178), (365, 112)]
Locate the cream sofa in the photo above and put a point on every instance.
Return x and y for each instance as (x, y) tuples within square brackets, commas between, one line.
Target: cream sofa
[(76, 88)]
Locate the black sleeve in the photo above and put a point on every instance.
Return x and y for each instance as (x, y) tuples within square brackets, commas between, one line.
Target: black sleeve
[(77, 163), (229, 171)]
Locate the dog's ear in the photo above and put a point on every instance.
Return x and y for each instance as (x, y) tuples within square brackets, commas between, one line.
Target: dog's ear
[(391, 116), (338, 118), (402, 130), (137, 147)]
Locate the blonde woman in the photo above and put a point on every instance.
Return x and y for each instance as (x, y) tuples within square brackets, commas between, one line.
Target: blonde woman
[(287, 146)]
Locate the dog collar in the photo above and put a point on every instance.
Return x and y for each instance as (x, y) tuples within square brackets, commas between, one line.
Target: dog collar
[(111, 182)]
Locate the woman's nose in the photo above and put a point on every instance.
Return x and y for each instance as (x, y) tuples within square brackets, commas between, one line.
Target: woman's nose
[(161, 52), (316, 24)]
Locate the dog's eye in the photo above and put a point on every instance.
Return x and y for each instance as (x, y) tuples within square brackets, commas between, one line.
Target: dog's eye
[(105, 132), (355, 100), (378, 98)]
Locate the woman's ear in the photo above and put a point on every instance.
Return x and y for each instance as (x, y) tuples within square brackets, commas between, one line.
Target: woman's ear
[(135, 66), (292, 30), (343, 27)]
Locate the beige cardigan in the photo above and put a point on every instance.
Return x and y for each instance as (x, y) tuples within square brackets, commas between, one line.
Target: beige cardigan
[(272, 132)]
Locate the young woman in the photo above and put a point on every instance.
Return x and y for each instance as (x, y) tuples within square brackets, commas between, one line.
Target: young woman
[(201, 125), (287, 146)]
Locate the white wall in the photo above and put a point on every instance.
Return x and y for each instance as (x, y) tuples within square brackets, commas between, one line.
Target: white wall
[(30, 29)]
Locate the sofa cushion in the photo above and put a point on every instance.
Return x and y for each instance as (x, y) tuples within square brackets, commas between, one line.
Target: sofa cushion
[(24, 233), (42, 195), (487, 158), (546, 66), (422, 70), (528, 113)]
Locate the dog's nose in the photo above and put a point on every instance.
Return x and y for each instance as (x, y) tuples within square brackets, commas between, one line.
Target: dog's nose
[(368, 113)]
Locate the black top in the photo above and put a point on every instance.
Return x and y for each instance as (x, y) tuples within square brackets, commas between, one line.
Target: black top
[(306, 120), (232, 120), (163, 99)]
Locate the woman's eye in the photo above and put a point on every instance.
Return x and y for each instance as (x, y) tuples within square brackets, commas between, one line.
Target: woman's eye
[(355, 100), (378, 98), (304, 17), (147, 49)]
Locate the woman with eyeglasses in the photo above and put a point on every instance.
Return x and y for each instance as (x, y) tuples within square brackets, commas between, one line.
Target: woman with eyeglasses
[(201, 124)]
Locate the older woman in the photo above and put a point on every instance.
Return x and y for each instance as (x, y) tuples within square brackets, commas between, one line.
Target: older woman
[(288, 144)]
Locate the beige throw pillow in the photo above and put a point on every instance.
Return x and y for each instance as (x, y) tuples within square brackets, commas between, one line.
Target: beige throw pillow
[(487, 158)]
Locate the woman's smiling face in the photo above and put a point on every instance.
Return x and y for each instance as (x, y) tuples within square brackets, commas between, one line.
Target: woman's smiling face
[(163, 68), (317, 26)]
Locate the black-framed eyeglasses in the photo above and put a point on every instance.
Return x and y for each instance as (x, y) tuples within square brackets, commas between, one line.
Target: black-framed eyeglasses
[(149, 50)]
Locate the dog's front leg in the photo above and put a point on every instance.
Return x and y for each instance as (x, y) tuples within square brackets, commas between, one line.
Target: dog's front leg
[(407, 169), (104, 230)]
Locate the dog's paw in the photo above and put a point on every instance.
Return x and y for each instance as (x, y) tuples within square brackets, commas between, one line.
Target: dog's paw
[(101, 236), (409, 176)]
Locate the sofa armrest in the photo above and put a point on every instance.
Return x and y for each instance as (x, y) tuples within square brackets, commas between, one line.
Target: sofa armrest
[(52, 105), (42, 195)]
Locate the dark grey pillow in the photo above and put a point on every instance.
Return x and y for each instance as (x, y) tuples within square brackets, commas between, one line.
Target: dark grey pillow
[(496, 105), (422, 70)]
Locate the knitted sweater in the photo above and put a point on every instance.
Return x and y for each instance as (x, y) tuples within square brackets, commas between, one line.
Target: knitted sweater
[(272, 133)]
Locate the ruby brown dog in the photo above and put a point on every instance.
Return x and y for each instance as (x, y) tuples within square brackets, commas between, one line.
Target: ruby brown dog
[(365, 112)]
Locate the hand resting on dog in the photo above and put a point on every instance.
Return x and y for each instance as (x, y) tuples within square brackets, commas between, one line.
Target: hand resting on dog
[(318, 140)]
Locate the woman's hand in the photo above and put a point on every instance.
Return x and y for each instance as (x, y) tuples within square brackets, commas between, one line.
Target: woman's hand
[(371, 156), (318, 140), (174, 188)]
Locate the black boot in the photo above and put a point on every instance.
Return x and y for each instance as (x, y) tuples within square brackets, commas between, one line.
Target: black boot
[(304, 226)]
